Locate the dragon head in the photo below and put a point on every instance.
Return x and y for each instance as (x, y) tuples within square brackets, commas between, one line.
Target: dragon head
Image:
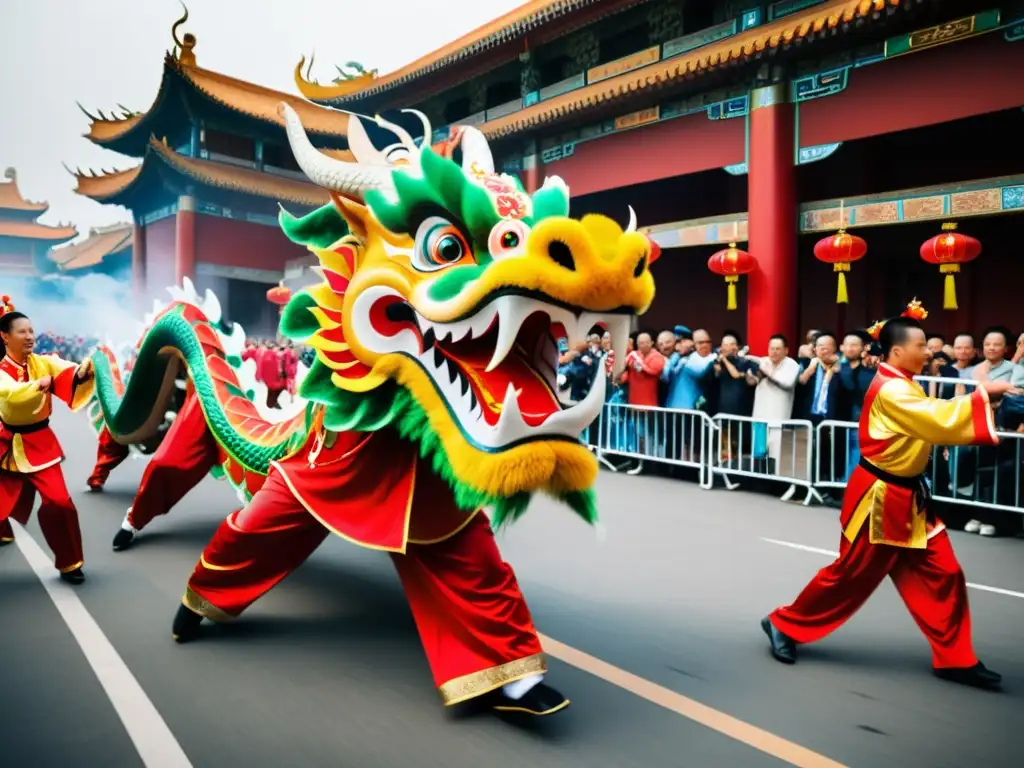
[(445, 290)]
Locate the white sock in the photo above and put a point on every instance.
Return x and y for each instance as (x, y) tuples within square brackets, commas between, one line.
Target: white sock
[(516, 690), (126, 526)]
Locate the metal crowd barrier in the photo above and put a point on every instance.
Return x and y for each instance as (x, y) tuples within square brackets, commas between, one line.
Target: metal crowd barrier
[(798, 453), (780, 450), (646, 433)]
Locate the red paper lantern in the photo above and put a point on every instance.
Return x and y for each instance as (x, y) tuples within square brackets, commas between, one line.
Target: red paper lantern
[(280, 295), (840, 250), (730, 264), (949, 250)]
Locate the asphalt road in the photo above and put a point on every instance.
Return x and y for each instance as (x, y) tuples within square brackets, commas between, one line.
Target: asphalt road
[(327, 669)]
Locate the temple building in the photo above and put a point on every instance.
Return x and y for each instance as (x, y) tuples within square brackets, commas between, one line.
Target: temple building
[(212, 164), (770, 124), (106, 251), (24, 242)]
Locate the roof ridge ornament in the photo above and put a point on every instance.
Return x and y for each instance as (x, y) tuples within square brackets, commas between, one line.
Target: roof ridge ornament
[(184, 52), (352, 77)]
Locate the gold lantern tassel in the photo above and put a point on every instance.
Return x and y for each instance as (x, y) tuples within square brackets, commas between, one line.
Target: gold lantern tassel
[(731, 281), (949, 289), (841, 268)]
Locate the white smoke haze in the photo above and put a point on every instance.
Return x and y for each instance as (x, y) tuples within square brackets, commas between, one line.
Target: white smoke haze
[(95, 306)]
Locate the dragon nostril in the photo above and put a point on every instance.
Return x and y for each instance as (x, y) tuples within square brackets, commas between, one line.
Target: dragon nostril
[(561, 255), (640, 266)]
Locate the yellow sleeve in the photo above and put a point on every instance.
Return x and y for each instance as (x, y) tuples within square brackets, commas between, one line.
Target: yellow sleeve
[(75, 395), (902, 408), (18, 395)]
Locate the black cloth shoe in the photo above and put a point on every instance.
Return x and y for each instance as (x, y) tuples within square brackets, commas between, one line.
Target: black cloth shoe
[(539, 701), (5, 542), (95, 487), (123, 539), (976, 677), (186, 624), (73, 577), (783, 647)]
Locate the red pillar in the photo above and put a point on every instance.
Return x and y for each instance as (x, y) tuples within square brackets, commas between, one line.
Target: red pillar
[(185, 240), (139, 265), (771, 189)]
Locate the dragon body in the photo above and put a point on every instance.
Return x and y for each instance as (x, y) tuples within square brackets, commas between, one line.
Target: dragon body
[(185, 342), (445, 290)]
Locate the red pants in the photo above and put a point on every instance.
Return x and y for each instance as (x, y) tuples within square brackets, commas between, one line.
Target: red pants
[(472, 619), (186, 455), (58, 517), (109, 455), (929, 581)]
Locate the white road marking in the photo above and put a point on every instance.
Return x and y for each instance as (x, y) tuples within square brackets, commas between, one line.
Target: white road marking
[(153, 740), (831, 553)]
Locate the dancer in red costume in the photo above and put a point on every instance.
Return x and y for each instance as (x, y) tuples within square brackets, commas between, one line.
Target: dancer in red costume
[(186, 455), (476, 629), (888, 526), (109, 455), (30, 455)]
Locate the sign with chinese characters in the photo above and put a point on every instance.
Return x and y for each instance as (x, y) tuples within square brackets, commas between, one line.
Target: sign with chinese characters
[(636, 119), (942, 33)]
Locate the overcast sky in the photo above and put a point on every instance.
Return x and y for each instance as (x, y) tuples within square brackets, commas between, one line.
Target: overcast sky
[(108, 52)]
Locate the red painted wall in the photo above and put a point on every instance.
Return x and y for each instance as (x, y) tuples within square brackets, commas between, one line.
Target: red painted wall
[(672, 148), (919, 89), (159, 237), (232, 243)]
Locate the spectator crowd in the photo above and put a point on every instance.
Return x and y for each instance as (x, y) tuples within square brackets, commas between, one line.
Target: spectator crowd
[(825, 381)]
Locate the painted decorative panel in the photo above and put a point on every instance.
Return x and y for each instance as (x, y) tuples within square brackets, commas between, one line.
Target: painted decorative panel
[(1013, 198), (980, 198), (924, 208), (691, 42), (625, 64), (975, 202)]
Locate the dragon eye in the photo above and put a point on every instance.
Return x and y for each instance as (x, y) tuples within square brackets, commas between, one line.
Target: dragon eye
[(508, 238), (439, 244)]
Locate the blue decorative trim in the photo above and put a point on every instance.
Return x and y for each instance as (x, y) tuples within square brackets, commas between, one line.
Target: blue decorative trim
[(533, 97), (750, 19), (820, 85), (814, 154), (804, 156), (160, 213), (1013, 198), (210, 209), (724, 110), (1014, 31)]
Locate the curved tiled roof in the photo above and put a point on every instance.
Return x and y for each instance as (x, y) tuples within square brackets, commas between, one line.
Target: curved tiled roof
[(102, 186), (11, 199), (91, 251), (733, 50), (30, 230), (105, 186), (514, 24), (245, 98)]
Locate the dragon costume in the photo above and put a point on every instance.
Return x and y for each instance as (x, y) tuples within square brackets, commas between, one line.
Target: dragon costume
[(183, 447), (433, 395)]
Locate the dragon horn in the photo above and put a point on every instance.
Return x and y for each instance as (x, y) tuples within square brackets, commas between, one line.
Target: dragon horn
[(475, 149), (351, 179)]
